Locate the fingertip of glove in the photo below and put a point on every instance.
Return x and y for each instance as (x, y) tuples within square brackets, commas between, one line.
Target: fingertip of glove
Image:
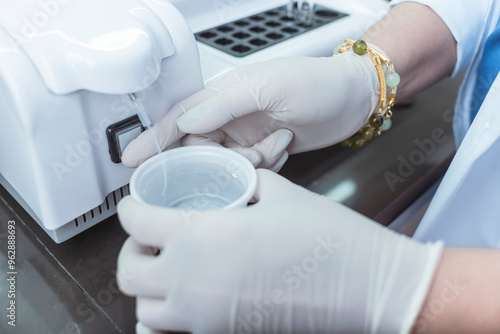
[(123, 204), (286, 133), (285, 137), (130, 159), (139, 150), (126, 210), (279, 164)]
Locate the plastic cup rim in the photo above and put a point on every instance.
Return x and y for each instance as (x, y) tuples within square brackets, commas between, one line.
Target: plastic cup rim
[(246, 165)]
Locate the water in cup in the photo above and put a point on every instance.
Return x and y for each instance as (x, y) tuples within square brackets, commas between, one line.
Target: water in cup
[(198, 178)]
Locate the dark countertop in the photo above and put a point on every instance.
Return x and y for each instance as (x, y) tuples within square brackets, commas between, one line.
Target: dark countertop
[(71, 287)]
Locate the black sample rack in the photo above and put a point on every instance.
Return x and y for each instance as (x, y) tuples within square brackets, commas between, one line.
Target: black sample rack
[(243, 37)]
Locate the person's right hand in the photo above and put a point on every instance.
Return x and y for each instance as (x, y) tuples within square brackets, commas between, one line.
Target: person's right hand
[(293, 262), (253, 108)]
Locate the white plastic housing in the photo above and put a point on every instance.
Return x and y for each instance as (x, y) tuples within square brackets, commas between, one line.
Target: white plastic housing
[(65, 72)]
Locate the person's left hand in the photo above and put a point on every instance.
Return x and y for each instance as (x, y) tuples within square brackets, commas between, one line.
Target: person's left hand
[(270, 109)]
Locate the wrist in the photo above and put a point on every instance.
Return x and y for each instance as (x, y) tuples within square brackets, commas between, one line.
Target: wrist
[(464, 295), (379, 119), (410, 34)]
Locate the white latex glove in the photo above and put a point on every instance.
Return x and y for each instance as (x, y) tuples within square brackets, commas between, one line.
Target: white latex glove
[(270, 153), (321, 100), (294, 262)]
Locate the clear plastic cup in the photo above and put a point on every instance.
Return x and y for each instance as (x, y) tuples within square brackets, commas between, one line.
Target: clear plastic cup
[(195, 178)]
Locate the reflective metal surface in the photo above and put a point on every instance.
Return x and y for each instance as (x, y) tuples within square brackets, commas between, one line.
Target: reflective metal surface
[(71, 287)]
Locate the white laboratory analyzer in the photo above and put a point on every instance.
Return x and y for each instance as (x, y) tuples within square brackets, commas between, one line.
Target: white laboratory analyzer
[(70, 71)]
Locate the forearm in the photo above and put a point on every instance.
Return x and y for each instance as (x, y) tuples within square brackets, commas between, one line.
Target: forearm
[(419, 44), (465, 294)]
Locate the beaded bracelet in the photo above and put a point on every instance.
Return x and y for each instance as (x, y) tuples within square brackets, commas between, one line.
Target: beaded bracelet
[(381, 120)]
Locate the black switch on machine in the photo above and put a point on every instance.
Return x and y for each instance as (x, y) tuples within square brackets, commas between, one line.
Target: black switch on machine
[(121, 134)]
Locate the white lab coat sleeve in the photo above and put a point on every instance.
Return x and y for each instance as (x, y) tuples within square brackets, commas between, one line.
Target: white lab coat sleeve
[(464, 210), (467, 20)]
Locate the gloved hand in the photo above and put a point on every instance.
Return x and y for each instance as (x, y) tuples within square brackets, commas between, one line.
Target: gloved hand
[(294, 262), (320, 100)]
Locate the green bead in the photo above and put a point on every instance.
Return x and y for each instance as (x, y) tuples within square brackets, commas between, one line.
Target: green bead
[(386, 125), (367, 134), (358, 142), (359, 47), (346, 143), (392, 79), (375, 121)]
